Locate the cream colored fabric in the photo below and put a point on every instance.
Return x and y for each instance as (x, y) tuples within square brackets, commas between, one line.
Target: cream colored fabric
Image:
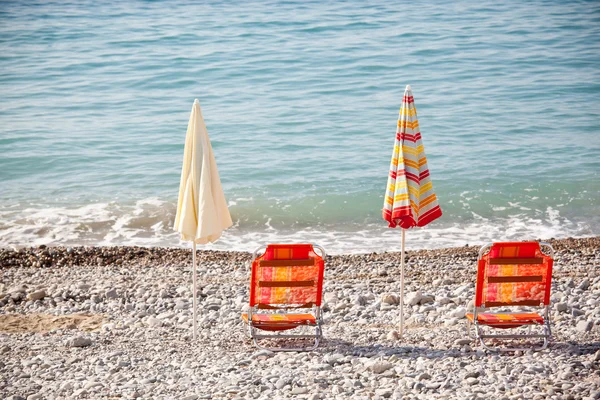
[(202, 212)]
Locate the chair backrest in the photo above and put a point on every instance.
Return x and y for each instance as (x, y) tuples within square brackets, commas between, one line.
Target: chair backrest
[(513, 274), (287, 274)]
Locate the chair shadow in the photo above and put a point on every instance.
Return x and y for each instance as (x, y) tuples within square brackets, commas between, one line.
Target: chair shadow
[(347, 348)]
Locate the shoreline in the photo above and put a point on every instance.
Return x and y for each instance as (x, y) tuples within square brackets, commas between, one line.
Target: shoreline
[(57, 256)]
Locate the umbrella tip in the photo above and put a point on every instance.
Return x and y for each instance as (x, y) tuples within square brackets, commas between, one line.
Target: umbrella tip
[(196, 101), (408, 87)]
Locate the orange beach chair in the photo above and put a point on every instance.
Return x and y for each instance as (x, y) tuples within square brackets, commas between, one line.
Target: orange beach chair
[(286, 278), (513, 275)]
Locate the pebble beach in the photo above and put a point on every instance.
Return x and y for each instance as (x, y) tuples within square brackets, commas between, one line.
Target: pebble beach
[(116, 322)]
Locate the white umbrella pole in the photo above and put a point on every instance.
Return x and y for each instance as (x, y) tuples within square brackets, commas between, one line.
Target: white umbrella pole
[(194, 279), (402, 285)]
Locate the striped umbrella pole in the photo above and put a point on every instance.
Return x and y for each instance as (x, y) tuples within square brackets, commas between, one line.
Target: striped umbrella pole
[(410, 200)]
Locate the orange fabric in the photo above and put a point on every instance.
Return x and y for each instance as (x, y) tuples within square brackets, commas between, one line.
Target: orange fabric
[(512, 292), (507, 320), (276, 322), (266, 294)]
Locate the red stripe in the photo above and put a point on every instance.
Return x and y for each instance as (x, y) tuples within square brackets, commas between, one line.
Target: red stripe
[(413, 177), (548, 279), (403, 217), (424, 174), (479, 284), (430, 215), (409, 99), (403, 137), (387, 215)]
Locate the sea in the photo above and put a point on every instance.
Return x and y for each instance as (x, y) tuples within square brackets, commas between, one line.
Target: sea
[(301, 101)]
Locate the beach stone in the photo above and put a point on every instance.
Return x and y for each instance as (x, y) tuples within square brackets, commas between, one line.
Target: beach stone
[(65, 387), (380, 366), (181, 305), (393, 335), (473, 374), (577, 312), (460, 290), (444, 300), (412, 299), (472, 381), (423, 376), (360, 301), (281, 383), (37, 295), (79, 341), (584, 285), (584, 326), (385, 393), (320, 367), (597, 356), (299, 390), (84, 287), (111, 294), (460, 312), (561, 307), (462, 342), (334, 359), (263, 354), (426, 299), (154, 322), (390, 299)]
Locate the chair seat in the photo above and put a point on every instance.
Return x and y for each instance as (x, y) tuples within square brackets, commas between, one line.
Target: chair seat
[(279, 322), (507, 320)]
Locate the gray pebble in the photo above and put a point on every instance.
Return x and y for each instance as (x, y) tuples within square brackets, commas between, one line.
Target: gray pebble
[(79, 341)]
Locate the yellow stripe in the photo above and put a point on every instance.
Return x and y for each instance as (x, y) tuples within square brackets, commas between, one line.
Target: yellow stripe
[(400, 197), (428, 200), (414, 191), (408, 150), (410, 111), (411, 164), (425, 188), (408, 124)]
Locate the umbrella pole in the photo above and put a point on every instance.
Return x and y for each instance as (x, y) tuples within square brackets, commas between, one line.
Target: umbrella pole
[(194, 279), (402, 285)]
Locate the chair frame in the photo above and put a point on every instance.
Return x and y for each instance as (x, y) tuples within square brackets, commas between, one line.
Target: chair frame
[(546, 333), (253, 329)]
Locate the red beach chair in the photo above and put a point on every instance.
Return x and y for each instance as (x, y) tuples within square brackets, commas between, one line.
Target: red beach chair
[(513, 275), (286, 278)]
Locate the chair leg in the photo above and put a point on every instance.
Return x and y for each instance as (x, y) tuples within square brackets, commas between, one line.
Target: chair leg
[(317, 336), (545, 336)]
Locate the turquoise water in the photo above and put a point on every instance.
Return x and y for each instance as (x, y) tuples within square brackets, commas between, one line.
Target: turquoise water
[(301, 101)]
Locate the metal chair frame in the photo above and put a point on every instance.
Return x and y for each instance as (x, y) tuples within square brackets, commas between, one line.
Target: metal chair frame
[(252, 328), (546, 333)]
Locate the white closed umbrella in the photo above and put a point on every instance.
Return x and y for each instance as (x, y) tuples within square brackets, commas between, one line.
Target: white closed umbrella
[(202, 213)]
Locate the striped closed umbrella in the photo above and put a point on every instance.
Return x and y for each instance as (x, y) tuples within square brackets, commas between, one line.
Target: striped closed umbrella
[(409, 200)]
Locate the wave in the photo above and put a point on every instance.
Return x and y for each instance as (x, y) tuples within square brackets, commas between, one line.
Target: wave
[(148, 223)]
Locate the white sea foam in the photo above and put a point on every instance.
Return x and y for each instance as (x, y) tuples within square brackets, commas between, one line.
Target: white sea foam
[(149, 223)]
